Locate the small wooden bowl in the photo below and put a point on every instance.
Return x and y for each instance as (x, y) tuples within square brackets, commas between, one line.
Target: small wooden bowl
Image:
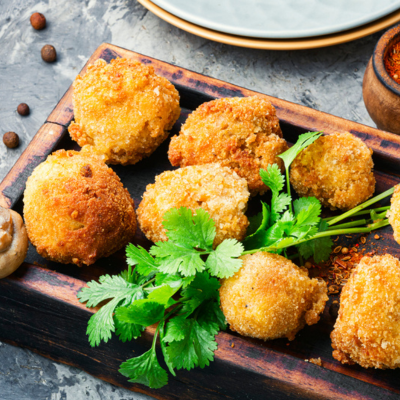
[(381, 93)]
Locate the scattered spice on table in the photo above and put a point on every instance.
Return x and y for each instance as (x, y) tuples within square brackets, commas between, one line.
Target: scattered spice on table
[(38, 21), (392, 62), (49, 53), (11, 140), (23, 109)]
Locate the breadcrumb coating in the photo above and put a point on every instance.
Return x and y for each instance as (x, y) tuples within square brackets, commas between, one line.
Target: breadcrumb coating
[(216, 189), (367, 330), (336, 169), (76, 209), (394, 213), (123, 110), (241, 133), (270, 297)]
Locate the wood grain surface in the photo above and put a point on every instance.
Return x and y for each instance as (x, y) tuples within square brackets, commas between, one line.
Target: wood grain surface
[(39, 309)]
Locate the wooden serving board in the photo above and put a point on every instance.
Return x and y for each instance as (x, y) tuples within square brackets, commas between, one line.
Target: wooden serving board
[(39, 309)]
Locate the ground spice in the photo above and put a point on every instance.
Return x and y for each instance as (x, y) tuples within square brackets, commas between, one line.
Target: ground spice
[(392, 62)]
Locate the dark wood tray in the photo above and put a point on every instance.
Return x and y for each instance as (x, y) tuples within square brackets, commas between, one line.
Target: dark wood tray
[(39, 309)]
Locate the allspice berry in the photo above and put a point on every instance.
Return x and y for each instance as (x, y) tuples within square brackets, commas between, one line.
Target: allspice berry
[(38, 21), (23, 109), (49, 53), (11, 139)]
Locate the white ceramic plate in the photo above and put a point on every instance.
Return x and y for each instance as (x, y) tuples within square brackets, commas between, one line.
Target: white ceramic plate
[(279, 19)]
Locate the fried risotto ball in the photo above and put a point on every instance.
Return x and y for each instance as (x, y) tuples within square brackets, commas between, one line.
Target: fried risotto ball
[(270, 297), (218, 190), (336, 169), (367, 330), (394, 213), (123, 110), (239, 133), (76, 209)]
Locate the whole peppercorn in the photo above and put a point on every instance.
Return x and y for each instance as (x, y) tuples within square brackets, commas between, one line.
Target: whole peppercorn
[(23, 109), (334, 310), (38, 21), (11, 139), (49, 53)]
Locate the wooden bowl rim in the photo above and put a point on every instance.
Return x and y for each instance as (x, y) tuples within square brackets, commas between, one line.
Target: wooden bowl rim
[(384, 43)]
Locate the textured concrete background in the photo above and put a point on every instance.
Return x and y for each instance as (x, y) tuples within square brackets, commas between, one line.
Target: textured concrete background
[(325, 79)]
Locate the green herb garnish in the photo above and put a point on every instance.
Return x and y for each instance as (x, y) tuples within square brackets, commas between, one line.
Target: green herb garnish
[(176, 284)]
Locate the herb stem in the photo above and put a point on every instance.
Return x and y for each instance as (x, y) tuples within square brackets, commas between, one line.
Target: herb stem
[(363, 212), (348, 224), (146, 283), (361, 206), (288, 189), (333, 232)]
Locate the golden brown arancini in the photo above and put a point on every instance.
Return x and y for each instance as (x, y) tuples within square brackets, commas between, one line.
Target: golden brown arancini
[(336, 169), (123, 110), (270, 297), (241, 133), (216, 189), (394, 213), (367, 330), (76, 209)]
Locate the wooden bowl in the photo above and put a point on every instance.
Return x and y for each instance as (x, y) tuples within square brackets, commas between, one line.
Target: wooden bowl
[(380, 92)]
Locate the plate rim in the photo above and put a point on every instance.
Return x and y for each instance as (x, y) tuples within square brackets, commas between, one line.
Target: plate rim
[(274, 44), (265, 34)]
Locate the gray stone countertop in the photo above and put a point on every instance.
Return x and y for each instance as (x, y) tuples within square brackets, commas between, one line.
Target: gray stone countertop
[(328, 79)]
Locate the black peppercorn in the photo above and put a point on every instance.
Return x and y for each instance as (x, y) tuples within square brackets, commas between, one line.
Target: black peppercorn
[(49, 53), (38, 21), (23, 109), (11, 139)]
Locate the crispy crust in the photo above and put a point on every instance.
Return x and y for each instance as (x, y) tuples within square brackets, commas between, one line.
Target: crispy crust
[(76, 209), (216, 189), (240, 133), (367, 330), (336, 169), (394, 213), (270, 297), (123, 110)]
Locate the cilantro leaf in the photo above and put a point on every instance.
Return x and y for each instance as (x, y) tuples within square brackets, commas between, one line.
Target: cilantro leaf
[(303, 232), (164, 348), (146, 370), (176, 257), (127, 331), (210, 312), (195, 348), (202, 288), (260, 221), (303, 141), (101, 324), (163, 294), (307, 210), (273, 178), (254, 223), (278, 205), (173, 280), (142, 312), (320, 248), (108, 287), (194, 230), (176, 329), (223, 262), (137, 255)]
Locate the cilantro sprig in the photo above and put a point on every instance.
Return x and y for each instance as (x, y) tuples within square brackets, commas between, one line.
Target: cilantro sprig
[(286, 223), (176, 283)]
